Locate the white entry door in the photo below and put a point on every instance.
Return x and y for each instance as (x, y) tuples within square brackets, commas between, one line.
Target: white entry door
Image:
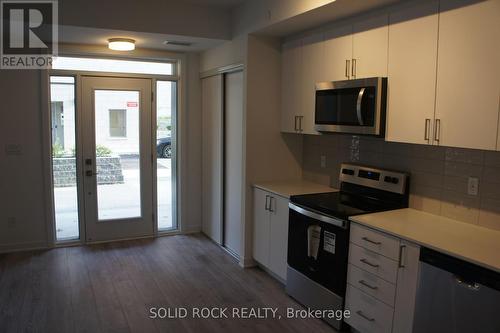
[(117, 157)]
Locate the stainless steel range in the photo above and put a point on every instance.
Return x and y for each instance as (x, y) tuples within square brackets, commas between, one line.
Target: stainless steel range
[(318, 234)]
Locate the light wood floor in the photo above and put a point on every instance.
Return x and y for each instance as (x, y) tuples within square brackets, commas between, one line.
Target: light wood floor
[(111, 287)]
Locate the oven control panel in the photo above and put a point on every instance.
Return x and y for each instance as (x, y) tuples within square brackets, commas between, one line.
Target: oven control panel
[(387, 180)]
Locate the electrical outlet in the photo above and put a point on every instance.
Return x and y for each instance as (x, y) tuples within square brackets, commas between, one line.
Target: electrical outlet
[(323, 161), (11, 222), (473, 186)]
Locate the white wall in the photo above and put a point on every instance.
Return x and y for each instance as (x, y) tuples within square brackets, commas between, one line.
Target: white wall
[(191, 164), (229, 53), (270, 155), (22, 213), (256, 14)]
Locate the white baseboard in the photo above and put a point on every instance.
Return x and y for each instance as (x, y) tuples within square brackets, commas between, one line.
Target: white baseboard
[(27, 246), (248, 262)]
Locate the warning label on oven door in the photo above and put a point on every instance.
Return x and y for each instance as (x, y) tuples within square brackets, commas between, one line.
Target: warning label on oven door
[(329, 242)]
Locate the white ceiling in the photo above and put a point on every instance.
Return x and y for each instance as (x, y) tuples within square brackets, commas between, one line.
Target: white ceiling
[(144, 40)]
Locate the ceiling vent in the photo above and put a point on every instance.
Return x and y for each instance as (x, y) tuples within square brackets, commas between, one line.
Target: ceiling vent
[(177, 43)]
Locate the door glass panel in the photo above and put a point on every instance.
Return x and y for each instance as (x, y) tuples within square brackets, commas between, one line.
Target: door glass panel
[(166, 102), (63, 124), (113, 65), (117, 154)]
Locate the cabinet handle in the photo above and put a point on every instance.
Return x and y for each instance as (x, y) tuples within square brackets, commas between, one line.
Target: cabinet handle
[(364, 261), (366, 239), (347, 66), (363, 282), (271, 204), (267, 199), (401, 255), (295, 125), (300, 123), (353, 71), (427, 124), (437, 130), (362, 315)]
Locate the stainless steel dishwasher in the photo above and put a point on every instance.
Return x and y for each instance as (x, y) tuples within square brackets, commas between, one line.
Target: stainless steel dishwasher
[(456, 296)]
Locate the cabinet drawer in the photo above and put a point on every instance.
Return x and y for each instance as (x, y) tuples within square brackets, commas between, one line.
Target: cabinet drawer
[(373, 263), (368, 315), (375, 241), (371, 284)]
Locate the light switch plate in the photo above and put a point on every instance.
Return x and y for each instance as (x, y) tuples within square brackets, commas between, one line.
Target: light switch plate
[(473, 186), (323, 161), (13, 149)]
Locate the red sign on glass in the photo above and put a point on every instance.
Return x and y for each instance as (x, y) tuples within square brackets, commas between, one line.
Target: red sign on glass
[(132, 104)]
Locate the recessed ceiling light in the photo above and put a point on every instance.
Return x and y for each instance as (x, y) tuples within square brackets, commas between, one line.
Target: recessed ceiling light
[(121, 44)]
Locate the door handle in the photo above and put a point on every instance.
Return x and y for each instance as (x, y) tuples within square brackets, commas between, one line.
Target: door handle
[(401, 254), (267, 200), (364, 283), (364, 261), (347, 66), (358, 106), (362, 315), (427, 125), (353, 70), (271, 204), (366, 239), (90, 173), (437, 130)]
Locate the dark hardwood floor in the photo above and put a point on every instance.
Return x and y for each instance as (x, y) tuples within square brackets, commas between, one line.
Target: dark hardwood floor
[(111, 288)]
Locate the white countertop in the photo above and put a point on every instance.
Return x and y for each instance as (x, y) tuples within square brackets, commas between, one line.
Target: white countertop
[(466, 241), (293, 187)]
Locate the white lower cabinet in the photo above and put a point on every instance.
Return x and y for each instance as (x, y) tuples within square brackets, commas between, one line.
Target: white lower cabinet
[(381, 287), (367, 313), (270, 231)]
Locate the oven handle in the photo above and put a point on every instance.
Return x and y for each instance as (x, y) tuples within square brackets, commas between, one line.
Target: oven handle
[(317, 216), (358, 106)]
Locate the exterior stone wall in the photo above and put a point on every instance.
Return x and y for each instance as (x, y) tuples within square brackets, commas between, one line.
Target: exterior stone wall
[(109, 171)]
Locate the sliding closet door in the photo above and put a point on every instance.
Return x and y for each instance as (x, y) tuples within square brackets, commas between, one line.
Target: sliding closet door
[(212, 157), (233, 160)]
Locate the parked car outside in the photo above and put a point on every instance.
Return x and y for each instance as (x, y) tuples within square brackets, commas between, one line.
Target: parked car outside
[(164, 147)]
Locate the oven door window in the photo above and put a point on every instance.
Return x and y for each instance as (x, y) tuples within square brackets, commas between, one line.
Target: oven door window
[(347, 106), (319, 251)]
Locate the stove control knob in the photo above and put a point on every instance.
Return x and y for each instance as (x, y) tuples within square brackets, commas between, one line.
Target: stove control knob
[(393, 180)]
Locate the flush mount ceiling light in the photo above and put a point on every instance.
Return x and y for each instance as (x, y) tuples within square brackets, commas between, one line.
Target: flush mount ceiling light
[(121, 44)]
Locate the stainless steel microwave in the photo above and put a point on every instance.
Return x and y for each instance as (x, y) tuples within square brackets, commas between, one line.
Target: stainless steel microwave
[(351, 106)]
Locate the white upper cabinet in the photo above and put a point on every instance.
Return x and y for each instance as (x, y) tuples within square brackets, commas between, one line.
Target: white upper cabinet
[(413, 39), (291, 94), (369, 47), (338, 51), (468, 74), (313, 60)]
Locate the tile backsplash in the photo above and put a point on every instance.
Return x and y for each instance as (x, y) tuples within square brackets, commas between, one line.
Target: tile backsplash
[(439, 175)]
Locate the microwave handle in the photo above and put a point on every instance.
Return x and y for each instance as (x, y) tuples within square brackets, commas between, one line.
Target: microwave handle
[(358, 106)]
